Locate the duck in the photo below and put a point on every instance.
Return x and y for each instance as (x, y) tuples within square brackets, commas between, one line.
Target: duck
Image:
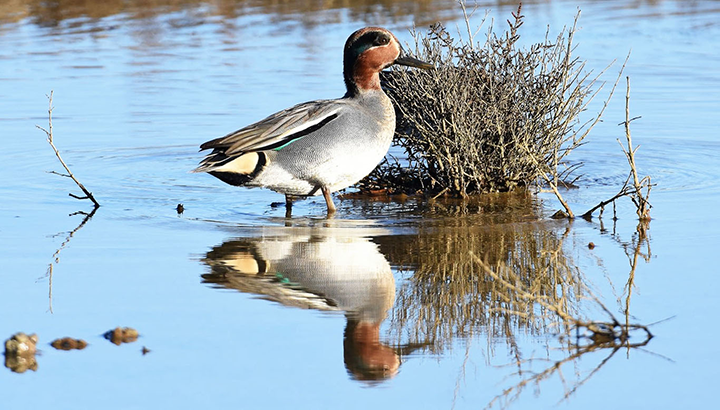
[(321, 146)]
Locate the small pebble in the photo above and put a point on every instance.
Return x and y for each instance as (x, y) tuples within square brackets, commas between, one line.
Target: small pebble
[(20, 351), (121, 335), (21, 344), (68, 343)]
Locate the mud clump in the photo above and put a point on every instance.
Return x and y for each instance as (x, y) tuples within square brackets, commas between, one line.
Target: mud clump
[(68, 343), (20, 351), (119, 335)]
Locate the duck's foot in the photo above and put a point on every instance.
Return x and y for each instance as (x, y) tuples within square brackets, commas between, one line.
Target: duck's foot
[(328, 200), (288, 206)]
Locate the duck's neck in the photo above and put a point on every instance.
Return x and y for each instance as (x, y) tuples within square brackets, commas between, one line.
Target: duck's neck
[(361, 73), (361, 81)]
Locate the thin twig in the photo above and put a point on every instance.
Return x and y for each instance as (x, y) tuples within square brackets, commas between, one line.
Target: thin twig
[(50, 279), (624, 191), (554, 188), (441, 193), (553, 184), (467, 23), (641, 201), (49, 133), (635, 193)]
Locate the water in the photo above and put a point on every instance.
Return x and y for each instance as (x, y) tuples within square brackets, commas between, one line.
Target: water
[(383, 306)]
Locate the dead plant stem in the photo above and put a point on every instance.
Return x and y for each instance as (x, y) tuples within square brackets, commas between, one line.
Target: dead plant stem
[(49, 133), (642, 203)]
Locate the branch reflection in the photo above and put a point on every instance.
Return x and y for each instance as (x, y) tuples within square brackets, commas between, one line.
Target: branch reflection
[(448, 295), (56, 255), (504, 279)]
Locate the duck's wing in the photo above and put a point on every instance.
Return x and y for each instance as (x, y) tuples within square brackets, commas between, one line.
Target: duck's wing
[(278, 129), (273, 132)]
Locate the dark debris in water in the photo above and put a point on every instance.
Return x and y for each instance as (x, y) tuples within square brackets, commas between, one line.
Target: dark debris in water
[(21, 363), (119, 335), (20, 348), (21, 344), (611, 335), (68, 343), (20, 351), (370, 193)]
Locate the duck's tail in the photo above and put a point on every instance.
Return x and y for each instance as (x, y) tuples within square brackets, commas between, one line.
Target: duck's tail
[(233, 170)]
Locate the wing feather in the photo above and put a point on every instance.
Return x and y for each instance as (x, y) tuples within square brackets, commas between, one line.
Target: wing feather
[(277, 129)]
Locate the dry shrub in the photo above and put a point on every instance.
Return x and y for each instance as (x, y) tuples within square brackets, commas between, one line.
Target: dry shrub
[(488, 119)]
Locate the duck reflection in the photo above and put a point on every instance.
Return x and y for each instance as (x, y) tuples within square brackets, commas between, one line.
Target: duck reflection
[(324, 269)]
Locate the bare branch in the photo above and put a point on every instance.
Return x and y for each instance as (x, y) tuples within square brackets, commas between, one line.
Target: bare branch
[(640, 199), (635, 192), (49, 133), (59, 173)]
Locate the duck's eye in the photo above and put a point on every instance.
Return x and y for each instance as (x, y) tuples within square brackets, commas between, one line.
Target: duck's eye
[(382, 40)]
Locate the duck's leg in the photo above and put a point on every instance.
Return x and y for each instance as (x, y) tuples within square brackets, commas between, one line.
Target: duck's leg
[(328, 200), (288, 206)]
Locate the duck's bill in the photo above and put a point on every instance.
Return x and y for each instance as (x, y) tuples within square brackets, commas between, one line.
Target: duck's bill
[(413, 62)]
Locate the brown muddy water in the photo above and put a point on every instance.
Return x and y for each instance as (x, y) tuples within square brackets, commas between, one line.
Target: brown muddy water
[(385, 306)]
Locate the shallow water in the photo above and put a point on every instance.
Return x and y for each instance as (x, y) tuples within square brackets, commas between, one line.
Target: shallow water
[(383, 306)]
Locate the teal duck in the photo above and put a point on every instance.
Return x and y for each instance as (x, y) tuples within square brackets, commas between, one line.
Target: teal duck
[(319, 146)]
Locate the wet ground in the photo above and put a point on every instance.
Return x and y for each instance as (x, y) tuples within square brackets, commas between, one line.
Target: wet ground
[(386, 305)]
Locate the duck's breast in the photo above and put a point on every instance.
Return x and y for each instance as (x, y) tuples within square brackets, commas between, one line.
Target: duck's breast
[(343, 151)]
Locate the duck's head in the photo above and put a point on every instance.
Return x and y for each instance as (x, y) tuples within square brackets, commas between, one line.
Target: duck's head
[(367, 52)]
